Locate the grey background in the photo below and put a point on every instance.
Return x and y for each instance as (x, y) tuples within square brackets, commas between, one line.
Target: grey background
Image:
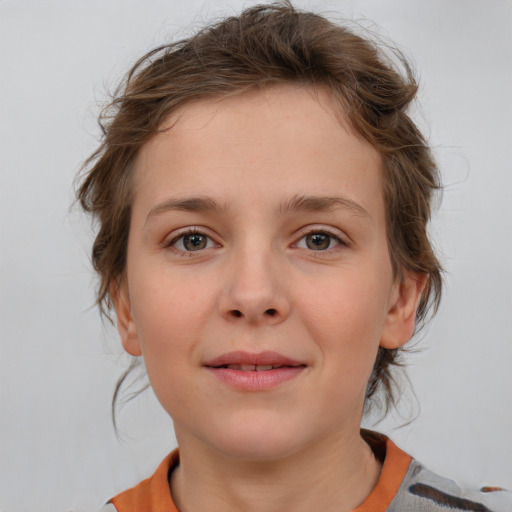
[(58, 364)]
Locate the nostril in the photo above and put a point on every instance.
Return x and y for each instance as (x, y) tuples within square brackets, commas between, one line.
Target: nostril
[(236, 313)]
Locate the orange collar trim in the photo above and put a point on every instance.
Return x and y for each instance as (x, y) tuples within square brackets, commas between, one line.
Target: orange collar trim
[(393, 472), (153, 494)]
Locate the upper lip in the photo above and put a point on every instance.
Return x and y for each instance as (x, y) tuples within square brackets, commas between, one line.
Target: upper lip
[(261, 358)]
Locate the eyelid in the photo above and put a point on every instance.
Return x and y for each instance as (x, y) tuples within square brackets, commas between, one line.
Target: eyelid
[(332, 232), (173, 237)]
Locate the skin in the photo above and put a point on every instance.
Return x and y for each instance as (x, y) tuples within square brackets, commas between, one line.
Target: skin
[(259, 284)]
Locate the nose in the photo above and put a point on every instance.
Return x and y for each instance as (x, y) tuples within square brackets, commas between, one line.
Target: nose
[(254, 290)]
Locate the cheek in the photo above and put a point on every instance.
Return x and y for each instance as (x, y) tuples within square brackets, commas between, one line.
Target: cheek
[(349, 301), (346, 327), (347, 319), (170, 313), (170, 322)]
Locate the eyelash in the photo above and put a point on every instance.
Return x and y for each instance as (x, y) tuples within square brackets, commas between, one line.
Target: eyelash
[(322, 231), (183, 252), (317, 231)]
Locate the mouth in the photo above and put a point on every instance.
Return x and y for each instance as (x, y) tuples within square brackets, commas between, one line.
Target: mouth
[(253, 362), (254, 372), (255, 367)]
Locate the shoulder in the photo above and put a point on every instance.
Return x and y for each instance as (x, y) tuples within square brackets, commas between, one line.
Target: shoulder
[(150, 495), (405, 485), (422, 490)]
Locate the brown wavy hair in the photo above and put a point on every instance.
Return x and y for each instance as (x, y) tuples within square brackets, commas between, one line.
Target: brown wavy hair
[(371, 85)]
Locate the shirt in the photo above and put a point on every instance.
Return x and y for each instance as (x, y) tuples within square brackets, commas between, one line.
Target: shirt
[(404, 485)]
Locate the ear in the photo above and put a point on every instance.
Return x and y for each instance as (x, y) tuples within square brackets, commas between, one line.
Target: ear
[(125, 322), (401, 317)]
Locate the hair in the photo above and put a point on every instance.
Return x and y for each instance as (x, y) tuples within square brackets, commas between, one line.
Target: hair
[(269, 45)]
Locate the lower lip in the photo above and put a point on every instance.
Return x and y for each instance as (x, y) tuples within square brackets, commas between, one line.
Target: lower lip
[(256, 381)]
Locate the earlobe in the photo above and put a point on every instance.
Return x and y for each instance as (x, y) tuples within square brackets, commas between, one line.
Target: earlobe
[(401, 317), (125, 322)]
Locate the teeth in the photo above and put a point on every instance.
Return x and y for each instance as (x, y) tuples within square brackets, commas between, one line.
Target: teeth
[(251, 367), (263, 367)]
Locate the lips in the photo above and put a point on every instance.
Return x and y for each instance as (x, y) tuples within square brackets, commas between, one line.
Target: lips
[(249, 361), (245, 371), (252, 367)]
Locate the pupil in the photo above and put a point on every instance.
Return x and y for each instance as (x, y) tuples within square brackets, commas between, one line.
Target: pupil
[(318, 241), (194, 242)]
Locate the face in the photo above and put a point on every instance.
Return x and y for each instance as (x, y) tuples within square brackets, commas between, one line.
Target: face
[(258, 285)]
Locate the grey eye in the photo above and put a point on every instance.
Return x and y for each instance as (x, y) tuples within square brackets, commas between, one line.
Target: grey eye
[(190, 242), (318, 241), (194, 242)]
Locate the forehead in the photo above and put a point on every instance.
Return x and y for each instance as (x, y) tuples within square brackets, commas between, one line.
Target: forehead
[(287, 139), (294, 113)]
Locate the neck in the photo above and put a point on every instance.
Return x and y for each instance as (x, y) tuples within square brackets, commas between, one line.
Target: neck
[(335, 475)]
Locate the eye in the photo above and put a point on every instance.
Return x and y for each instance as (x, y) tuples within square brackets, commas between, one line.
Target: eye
[(319, 241), (189, 242)]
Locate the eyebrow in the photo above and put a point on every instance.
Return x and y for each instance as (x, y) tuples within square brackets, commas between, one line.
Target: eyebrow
[(298, 203), (187, 204), (301, 203)]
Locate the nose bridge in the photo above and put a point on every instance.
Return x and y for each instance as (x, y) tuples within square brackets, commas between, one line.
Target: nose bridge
[(253, 288)]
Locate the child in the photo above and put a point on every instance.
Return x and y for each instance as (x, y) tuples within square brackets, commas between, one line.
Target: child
[(263, 198)]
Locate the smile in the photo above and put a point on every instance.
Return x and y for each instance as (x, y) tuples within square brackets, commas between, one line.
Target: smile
[(252, 367), (254, 372)]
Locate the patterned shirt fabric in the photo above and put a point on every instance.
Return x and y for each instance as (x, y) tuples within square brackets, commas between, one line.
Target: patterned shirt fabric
[(424, 491), (404, 485)]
